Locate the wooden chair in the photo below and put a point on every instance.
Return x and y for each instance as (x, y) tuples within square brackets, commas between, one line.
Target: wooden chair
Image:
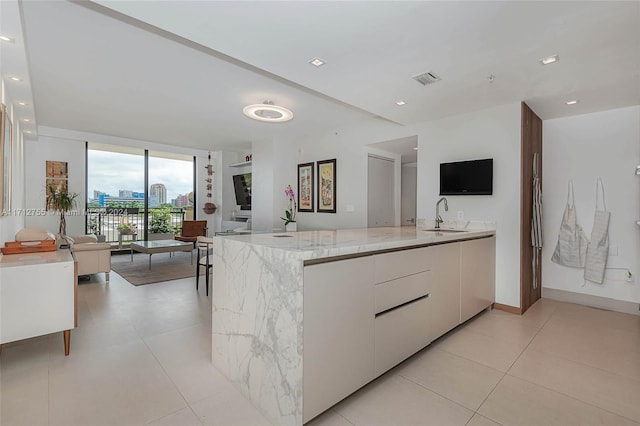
[(204, 244), (191, 230)]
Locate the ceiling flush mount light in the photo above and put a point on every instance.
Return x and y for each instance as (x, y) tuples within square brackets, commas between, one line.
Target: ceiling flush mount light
[(268, 112), (549, 59), (15, 79), (571, 102), (317, 62), (23, 103), (26, 120), (6, 38), (415, 148), (400, 103), (28, 131)]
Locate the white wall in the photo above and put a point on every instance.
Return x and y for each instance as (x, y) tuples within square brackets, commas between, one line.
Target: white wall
[(582, 148), (491, 133), (14, 220), (54, 149)]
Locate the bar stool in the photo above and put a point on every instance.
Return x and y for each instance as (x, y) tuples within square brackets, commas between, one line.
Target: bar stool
[(204, 244)]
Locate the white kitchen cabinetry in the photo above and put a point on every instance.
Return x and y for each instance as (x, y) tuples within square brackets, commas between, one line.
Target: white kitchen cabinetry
[(445, 288), (478, 271), (338, 331), (38, 295)]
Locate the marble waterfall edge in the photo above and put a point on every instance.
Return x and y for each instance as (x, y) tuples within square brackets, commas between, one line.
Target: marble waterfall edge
[(257, 325)]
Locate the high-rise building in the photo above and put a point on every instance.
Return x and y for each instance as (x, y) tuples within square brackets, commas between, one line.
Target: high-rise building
[(125, 193), (159, 191), (181, 201)]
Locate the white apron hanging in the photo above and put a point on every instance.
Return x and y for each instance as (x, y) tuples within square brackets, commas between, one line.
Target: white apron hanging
[(598, 248), (571, 249), (536, 221)]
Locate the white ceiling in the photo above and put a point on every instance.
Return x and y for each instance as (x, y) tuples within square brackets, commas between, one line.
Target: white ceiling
[(180, 72)]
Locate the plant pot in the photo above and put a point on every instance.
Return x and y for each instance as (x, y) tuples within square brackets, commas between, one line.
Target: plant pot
[(291, 227), (101, 238)]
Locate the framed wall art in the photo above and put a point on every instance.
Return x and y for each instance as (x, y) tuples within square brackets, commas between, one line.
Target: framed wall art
[(305, 187), (327, 186)]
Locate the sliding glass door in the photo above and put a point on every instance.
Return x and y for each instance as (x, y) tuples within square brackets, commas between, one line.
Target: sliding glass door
[(132, 192)]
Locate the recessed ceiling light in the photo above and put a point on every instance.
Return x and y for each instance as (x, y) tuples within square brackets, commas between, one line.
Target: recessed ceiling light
[(317, 62), (549, 60), (23, 103), (15, 79), (572, 102), (400, 103), (26, 120), (28, 131), (415, 148), (268, 112), (6, 38)]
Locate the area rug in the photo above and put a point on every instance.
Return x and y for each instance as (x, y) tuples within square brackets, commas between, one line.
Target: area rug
[(163, 267)]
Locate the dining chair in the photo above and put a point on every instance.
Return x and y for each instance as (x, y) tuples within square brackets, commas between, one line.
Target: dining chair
[(204, 245)]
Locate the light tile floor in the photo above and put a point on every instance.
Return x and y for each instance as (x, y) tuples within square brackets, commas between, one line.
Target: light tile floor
[(142, 356)]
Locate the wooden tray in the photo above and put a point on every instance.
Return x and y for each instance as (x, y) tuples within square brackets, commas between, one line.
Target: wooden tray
[(19, 247)]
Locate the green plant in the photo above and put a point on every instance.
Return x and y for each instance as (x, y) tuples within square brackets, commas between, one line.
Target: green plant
[(161, 222), (92, 226), (61, 201), (127, 228), (290, 213)]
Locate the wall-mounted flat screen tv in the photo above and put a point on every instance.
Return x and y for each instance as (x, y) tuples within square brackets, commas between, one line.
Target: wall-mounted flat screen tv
[(473, 177), (242, 186)]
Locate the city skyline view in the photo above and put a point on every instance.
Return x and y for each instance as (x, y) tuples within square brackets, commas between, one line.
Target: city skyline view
[(111, 172)]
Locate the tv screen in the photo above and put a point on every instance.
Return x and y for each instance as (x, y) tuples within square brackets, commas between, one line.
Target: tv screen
[(242, 186), (467, 177)]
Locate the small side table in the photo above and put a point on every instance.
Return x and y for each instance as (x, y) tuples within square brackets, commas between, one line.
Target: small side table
[(120, 234)]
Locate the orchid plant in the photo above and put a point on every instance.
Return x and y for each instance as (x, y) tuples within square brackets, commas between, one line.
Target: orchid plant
[(290, 213)]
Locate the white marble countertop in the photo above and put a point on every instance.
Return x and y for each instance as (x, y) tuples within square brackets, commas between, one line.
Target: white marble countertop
[(319, 244), (57, 256)]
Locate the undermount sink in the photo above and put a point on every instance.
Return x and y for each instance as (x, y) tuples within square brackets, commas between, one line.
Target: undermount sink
[(444, 230)]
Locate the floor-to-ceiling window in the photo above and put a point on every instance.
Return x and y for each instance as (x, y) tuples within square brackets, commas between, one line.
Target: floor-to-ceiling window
[(132, 191)]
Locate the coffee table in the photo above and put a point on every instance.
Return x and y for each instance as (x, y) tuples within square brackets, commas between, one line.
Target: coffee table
[(160, 246)]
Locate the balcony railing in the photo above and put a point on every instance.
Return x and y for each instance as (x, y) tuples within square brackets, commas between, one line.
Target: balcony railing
[(105, 221)]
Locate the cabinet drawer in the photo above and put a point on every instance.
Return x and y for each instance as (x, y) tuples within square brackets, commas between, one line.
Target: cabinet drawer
[(392, 293), (400, 333), (389, 266)]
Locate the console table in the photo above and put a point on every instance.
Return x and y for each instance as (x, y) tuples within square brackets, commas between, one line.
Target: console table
[(38, 295)]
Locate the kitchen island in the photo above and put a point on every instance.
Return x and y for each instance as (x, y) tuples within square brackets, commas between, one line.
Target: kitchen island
[(303, 319)]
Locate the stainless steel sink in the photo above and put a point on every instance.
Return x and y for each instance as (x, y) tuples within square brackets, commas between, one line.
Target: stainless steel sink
[(444, 230)]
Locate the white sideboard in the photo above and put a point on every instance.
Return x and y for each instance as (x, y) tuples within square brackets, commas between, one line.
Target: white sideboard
[(38, 295)]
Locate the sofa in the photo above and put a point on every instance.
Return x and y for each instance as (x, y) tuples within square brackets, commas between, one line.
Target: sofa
[(92, 257)]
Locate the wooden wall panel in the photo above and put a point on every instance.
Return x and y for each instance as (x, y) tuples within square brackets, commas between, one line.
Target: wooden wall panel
[(531, 141)]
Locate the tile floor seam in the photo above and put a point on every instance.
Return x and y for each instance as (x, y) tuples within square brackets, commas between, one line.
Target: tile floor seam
[(586, 365), (177, 411), (573, 397), (164, 370), (437, 393), (506, 372)]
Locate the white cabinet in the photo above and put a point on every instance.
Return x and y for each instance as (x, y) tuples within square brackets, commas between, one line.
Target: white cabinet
[(365, 315), (38, 295), (401, 332), (478, 272), (445, 288), (338, 332)]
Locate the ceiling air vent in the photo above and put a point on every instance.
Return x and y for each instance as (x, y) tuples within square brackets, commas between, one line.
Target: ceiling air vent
[(426, 78)]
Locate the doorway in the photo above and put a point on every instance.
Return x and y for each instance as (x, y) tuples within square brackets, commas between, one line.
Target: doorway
[(408, 193), (380, 191)]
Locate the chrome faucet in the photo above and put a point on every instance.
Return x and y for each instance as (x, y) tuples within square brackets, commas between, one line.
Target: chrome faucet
[(438, 217)]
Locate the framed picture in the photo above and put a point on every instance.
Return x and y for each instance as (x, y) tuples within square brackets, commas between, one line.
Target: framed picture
[(327, 186), (5, 161), (57, 169), (305, 187)]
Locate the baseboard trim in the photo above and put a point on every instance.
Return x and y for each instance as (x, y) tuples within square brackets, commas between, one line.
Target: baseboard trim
[(593, 301), (507, 308)]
